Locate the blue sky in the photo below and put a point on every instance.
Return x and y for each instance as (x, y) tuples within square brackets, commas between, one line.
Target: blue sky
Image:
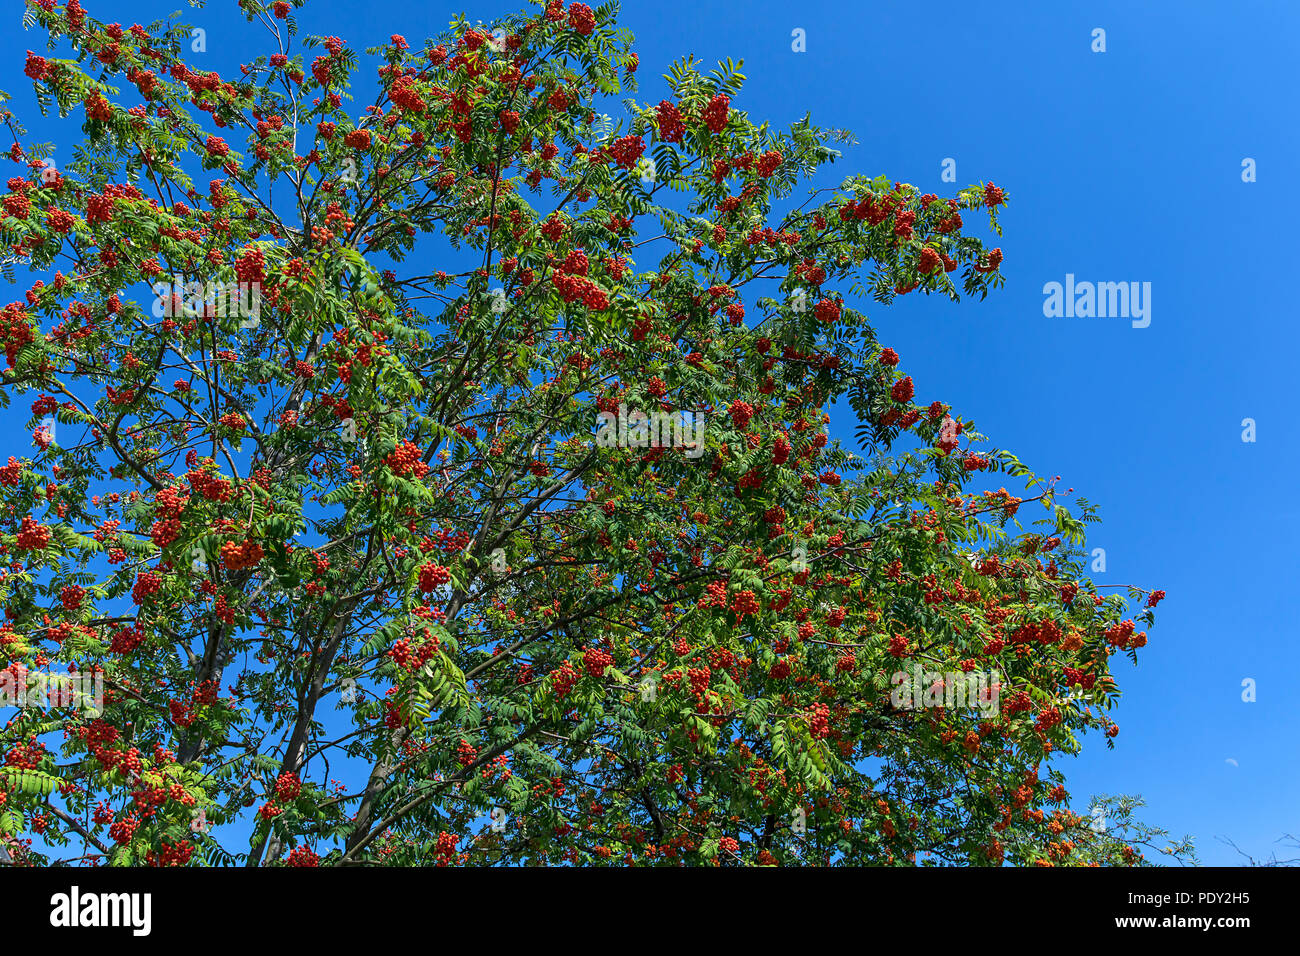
[(1121, 166)]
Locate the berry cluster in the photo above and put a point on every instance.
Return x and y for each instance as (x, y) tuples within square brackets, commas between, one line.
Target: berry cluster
[(597, 660), (433, 576), (741, 413), (32, 536), (903, 390), (246, 554), (563, 679), (407, 461)]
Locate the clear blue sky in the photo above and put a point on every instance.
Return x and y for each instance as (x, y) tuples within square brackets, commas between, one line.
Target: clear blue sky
[(1121, 166)]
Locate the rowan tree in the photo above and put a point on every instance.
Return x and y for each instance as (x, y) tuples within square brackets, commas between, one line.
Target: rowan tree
[(363, 581)]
